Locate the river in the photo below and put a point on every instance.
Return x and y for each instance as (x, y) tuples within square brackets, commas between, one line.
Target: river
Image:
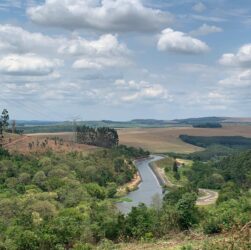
[(148, 188)]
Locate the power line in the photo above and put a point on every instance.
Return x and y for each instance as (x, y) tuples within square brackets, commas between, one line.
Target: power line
[(29, 108)]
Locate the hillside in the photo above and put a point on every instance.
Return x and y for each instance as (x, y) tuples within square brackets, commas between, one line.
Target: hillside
[(67, 126)]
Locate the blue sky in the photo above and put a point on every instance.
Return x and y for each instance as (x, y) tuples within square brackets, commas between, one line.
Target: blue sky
[(125, 59)]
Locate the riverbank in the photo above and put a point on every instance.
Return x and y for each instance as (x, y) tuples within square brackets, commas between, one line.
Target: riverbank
[(160, 175), (145, 192), (130, 186), (134, 183), (207, 196)]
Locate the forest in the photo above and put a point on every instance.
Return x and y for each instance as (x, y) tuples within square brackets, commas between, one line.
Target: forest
[(207, 125), (101, 137), (235, 142), (68, 201), (52, 201)]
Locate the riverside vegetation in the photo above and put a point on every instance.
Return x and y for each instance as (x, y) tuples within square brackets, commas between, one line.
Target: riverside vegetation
[(68, 201), (52, 201)]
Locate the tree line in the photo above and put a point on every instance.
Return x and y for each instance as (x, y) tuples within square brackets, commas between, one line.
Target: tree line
[(101, 137)]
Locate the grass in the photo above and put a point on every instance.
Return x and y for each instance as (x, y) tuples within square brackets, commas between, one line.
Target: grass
[(237, 239), (167, 165)]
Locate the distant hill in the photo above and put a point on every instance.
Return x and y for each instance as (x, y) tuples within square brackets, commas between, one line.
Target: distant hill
[(201, 120), (213, 119), (67, 126)]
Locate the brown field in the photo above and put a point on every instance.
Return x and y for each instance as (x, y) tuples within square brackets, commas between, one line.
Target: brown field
[(159, 140), (20, 144), (167, 139)]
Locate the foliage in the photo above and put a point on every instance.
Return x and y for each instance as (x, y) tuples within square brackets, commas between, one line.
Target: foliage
[(212, 152), (207, 125), (51, 201), (5, 119), (226, 215), (236, 142), (236, 168), (102, 136)]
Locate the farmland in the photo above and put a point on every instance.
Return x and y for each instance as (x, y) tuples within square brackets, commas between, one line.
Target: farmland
[(157, 140), (167, 139)]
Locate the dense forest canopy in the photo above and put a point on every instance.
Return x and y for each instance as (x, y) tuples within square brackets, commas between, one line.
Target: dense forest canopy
[(207, 125), (235, 142), (55, 201), (101, 137)]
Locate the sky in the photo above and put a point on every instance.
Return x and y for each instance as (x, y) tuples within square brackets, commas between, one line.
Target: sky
[(125, 59)]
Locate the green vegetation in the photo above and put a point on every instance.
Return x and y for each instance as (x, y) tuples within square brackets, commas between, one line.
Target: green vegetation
[(207, 125), (49, 127), (4, 123), (101, 137), (235, 142), (202, 120), (212, 152), (235, 168), (67, 201), (216, 146), (174, 171), (55, 201)]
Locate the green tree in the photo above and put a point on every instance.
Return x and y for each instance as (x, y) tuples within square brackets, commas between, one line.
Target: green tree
[(175, 167), (5, 119), (1, 134), (188, 213)]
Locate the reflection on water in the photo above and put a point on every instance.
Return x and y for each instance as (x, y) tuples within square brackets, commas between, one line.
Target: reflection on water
[(149, 189)]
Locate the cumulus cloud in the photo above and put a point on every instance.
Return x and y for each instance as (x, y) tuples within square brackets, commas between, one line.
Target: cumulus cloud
[(179, 42), (17, 40), (101, 62), (106, 45), (142, 90), (238, 79), (105, 51), (241, 59), (239, 63), (28, 64), (205, 30), (105, 15)]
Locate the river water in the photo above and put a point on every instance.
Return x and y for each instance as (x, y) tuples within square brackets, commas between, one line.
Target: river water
[(148, 188)]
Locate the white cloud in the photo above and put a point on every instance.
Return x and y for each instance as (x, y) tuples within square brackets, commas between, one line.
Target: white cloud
[(138, 91), (240, 64), (179, 42), (199, 7), (86, 64), (101, 62), (205, 30), (105, 51), (106, 45), (214, 95), (28, 64), (17, 40), (241, 59), (238, 79), (105, 15)]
